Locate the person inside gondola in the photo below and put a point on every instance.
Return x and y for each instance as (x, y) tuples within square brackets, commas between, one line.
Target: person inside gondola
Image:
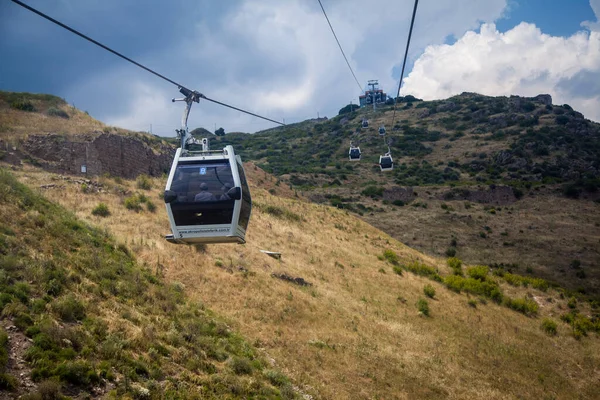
[(204, 194), (179, 186), (224, 196)]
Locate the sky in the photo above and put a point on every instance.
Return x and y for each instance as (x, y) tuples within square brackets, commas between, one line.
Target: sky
[(279, 58)]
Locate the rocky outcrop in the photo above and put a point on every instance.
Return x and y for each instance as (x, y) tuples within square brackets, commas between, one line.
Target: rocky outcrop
[(97, 154), (447, 106), (497, 195), (424, 113), (545, 99), (507, 159), (399, 193)]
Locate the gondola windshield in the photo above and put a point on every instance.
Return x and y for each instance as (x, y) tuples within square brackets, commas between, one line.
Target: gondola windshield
[(202, 194)]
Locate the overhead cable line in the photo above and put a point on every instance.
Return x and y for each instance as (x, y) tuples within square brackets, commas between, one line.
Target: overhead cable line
[(340, 46), (197, 97), (412, 22)]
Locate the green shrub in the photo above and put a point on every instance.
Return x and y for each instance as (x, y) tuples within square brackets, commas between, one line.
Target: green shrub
[(518, 280), (423, 307), (3, 343), (478, 272), (454, 283), (150, 206), (523, 305), (391, 257), (69, 309), (101, 210), (241, 366), (572, 303), (487, 289), (23, 321), (23, 105), (421, 269), (47, 390), (429, 291), (456, 265), (57, 112), (373, 191), (513, 279), (143, 182), (133, 203), (472, 303), (451, 251), (8, 382), (276, 378), (549, 326), (397, 270), (580, 323), (279, 212), (76, 373)]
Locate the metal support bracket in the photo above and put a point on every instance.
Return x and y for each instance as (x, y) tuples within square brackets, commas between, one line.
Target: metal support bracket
[(191, 96)]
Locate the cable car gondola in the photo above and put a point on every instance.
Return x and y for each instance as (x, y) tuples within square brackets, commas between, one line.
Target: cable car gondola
[(206, 195), (365, 123), (386, 163), (381, 130), (354, 153)]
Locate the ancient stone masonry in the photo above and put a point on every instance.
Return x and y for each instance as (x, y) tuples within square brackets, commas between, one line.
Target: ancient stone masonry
[(516, 102), (498, 195), (100, 153), (399, 193)]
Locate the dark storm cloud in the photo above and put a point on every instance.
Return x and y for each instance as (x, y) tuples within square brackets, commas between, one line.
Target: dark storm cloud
[(584, 84)]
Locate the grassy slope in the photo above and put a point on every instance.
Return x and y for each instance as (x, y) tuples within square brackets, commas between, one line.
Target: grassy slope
[(102, 324), (16, 125), (356, 333), (555, 230)]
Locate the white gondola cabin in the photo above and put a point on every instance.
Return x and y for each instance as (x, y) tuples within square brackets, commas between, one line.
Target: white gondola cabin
[(386, 163), (354, 153), (207, 197), (382, 130), (365, 123)]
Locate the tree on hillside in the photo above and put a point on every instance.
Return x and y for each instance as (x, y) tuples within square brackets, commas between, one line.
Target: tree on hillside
[(348, 109), (200, 132), (220, 132)]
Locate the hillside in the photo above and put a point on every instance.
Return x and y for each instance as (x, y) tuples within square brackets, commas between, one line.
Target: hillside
[(358, 323), (79, 315), (46, 131), (494, 180), (348, 311)]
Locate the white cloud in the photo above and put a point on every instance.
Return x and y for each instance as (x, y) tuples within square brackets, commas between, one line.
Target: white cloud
[(279, 59), (522, 61), (593, 26)]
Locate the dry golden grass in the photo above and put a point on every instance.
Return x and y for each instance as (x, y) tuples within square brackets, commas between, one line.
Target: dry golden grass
[(541, 231), (17, 125), (356, 333)]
